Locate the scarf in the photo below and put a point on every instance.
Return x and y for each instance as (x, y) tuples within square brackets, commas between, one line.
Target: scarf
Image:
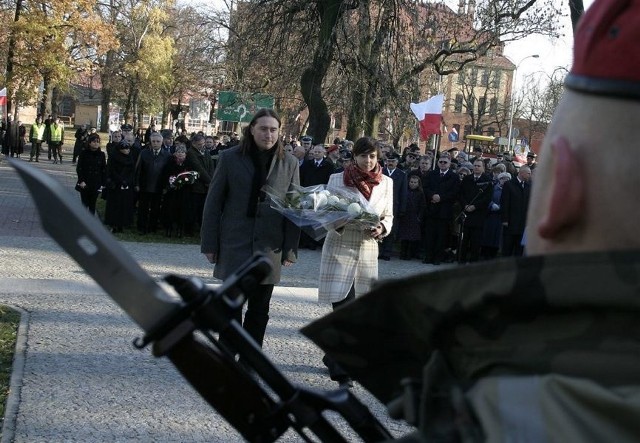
[(363, 181), (261, 161)]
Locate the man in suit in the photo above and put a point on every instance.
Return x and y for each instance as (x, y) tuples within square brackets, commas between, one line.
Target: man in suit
[(317, 169), (514, 204), (149, 167), (440, 190), (475, 196), (238, 218), (400, 189)]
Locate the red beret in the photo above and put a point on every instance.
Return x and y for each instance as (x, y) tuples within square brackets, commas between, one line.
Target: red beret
[(606, 54), (332, 148)]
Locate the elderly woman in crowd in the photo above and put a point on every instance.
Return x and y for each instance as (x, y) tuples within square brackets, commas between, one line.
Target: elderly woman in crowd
[(492, 231)]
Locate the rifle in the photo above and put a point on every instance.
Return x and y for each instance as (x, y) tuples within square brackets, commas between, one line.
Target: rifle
[(179, 318)]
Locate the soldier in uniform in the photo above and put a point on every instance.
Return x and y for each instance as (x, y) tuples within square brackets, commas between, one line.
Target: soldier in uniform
[(539, 348)]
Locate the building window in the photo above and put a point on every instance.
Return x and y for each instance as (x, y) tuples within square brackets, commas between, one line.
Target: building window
[(470, 106), (495, 79), (467, 130), (337, 121), (484, 80), (457, 107), (461, 77), (482, 105), (474, 77), (493, 106), (491, 131)]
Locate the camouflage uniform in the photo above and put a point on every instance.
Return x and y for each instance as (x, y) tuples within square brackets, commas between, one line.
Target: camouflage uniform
[(543, 348)]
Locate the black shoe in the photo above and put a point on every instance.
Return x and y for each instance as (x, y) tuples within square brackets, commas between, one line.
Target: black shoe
[(384, 257), (345, 382)]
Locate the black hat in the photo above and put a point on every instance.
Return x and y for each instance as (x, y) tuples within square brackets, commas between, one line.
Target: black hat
[(306, 138), (126, 127), (393, 156), (531, 155)]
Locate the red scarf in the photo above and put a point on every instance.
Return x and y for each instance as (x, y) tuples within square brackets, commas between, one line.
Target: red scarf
[(363, 181)]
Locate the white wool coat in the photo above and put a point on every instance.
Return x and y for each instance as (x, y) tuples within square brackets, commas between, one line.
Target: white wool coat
[(351, 256)]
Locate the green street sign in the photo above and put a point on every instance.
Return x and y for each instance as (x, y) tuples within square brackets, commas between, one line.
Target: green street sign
[(241, 106)]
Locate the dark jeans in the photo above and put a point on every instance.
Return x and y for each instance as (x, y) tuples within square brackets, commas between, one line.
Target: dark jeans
[(335, 371)]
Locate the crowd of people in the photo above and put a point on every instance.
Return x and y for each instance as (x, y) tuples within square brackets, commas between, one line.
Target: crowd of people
[(448, 206)]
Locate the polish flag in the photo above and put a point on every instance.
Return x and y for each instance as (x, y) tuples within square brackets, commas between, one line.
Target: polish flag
[(3, 97), (429, 113)]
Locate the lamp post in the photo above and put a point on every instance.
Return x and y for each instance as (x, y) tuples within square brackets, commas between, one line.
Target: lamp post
[(513, 95)]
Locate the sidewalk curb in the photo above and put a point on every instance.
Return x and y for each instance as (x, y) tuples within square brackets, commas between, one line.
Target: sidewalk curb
[(17, 375)]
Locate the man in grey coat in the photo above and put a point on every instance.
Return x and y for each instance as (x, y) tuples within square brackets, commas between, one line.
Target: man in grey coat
[(238, 220)]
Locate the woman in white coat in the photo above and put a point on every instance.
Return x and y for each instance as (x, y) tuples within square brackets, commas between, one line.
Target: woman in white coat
[(349, 262)]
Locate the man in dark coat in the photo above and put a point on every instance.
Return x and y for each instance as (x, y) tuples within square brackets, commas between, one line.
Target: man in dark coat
[(238, 218), (514, 204), (475, 196), (199, 160), (314, 171), (400, 189), (149, 167), (440, 190)]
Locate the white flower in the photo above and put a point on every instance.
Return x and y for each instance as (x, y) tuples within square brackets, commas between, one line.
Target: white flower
[(321, 201), (354, 209)]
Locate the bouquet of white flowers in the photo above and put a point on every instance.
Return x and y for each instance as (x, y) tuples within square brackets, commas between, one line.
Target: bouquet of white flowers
[(317, 209)]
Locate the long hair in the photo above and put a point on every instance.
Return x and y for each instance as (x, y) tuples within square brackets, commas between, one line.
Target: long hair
[(248, 143)]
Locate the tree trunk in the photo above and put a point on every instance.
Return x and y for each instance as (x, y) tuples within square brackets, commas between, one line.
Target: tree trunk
[(312, 78), (355, 116), (44, 107), (10, 55), (55, 99), (106, 77), (576, 8)]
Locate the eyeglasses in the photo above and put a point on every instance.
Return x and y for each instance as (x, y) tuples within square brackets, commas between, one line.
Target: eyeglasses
[(443, 162)]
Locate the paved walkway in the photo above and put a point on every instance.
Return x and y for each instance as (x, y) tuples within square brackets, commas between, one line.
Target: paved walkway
[(77, 376)]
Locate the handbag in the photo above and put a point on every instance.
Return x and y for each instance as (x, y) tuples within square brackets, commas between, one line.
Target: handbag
[(78, 188)]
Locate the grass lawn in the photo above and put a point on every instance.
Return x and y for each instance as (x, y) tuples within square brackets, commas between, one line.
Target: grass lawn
[(130, 234), (9, 320)]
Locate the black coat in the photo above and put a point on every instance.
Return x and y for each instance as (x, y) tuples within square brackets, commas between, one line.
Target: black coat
[(446, 187), (92, 169), (310, 174), (120, 181), (400, 189), (477, 193), (514, 205)]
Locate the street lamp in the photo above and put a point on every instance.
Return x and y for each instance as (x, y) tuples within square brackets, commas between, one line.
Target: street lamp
[(513, 95)]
